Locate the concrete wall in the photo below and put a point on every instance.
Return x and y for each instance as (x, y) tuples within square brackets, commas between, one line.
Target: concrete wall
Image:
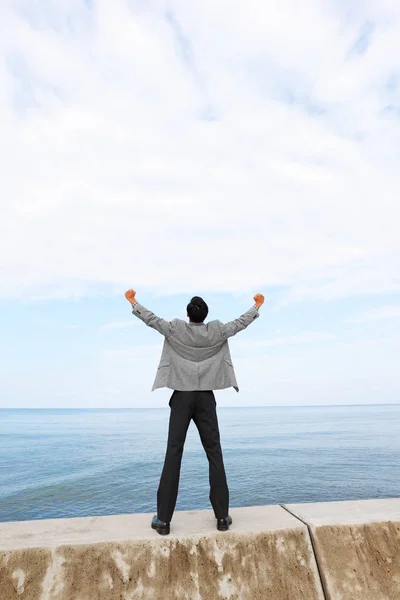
[(357, 547), (338, 551)]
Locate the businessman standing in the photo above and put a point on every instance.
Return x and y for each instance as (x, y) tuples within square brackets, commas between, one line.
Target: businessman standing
[(195, 361)]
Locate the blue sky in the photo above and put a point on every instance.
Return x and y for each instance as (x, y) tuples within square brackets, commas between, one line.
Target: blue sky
[(92, 352), (166, 147)]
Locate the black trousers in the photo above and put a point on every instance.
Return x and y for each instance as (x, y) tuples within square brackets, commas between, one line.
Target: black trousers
[(201, 407)]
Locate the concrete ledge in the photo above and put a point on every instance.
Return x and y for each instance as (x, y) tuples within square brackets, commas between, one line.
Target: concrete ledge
[(266, 554), (357, 546)]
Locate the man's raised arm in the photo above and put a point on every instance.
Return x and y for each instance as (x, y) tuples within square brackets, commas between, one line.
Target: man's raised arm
[(233, 327), (164, 327)]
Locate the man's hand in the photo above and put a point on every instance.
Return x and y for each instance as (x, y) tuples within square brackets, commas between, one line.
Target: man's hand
[(130, 295), (259, 300)]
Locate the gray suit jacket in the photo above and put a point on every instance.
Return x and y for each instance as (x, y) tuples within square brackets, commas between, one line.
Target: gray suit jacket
[(195, 356)]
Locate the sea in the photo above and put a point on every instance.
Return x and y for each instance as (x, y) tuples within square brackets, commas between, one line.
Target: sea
[(75, 463)]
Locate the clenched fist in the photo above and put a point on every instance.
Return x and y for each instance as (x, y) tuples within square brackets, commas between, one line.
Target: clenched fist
[(259, 300), (130, 296)]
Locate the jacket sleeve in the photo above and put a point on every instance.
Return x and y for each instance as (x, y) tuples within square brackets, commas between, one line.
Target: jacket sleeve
[(166, 328), (233, 327)]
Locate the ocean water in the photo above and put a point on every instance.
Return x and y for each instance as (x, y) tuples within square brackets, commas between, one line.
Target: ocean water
[(70, 463)]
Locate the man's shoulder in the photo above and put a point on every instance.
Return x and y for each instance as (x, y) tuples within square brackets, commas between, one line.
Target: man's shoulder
[(216, 323), (179, 323)]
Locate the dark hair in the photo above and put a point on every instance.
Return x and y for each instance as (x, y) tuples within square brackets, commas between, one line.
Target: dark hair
[(197, 309)]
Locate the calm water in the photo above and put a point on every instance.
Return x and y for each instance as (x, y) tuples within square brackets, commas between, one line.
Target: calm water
[(66, 463)]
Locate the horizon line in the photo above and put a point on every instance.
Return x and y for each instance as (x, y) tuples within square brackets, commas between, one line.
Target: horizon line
[(163, 407)]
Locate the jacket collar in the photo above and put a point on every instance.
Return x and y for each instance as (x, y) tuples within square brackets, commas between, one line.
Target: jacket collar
[(193, 323)]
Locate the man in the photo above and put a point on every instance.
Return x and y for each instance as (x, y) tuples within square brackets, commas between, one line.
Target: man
[(195, 361)]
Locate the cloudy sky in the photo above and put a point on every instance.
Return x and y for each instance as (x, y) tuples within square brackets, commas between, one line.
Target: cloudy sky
[(203, 147)]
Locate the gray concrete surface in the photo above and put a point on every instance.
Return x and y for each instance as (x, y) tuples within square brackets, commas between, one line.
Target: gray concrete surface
[(266, 554), (348, 512), (357, 547), (90, 530)]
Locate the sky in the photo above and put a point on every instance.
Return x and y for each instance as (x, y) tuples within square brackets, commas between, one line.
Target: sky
[(207, 147)]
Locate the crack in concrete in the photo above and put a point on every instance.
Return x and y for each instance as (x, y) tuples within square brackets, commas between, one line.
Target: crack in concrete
[(313, 546)]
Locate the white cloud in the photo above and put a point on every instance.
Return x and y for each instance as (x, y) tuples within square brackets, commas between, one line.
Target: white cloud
[(145, 351), (119, 325), (377, 314), (227, 146), (54, 324), (303, 337)]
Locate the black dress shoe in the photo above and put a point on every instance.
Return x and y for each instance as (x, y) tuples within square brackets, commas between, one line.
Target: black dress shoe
[(161, 527), (223, 524)]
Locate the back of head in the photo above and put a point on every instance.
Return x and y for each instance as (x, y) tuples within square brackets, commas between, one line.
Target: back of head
[(197, 310)]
